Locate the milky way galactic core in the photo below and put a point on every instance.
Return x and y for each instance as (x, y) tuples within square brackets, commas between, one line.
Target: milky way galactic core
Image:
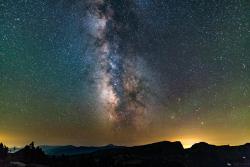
[(121, 84)]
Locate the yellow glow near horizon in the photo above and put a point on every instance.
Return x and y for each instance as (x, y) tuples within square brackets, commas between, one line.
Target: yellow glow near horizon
[(5, 139), (11, 141), (188, 141)]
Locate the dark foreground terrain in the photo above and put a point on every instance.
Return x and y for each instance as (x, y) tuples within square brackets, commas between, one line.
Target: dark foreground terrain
[(162, 154)]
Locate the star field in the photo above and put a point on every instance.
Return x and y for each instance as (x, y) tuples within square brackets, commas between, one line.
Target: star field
[(131, 71)]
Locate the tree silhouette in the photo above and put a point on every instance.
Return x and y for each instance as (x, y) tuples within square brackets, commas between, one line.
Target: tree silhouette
[(3, 151), (30, 154)]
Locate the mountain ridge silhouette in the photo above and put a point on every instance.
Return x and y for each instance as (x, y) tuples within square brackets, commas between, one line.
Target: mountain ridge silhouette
[(160, 154)]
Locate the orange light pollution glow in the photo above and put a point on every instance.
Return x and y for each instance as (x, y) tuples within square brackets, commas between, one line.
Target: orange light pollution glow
[(216, 138)]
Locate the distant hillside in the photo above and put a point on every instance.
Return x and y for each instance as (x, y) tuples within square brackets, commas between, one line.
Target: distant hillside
[(73, 150), (165, 154)]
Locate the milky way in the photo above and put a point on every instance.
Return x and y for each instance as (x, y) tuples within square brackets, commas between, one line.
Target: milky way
[(119, 80)]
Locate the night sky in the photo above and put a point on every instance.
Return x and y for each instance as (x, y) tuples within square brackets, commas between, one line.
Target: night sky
[(127, 72)]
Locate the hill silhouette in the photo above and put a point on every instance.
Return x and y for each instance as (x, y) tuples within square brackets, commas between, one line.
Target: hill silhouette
[(162, 154), (72, 150)]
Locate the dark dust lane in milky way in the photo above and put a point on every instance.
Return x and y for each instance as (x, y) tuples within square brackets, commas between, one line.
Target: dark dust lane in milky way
[(120, 82)]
